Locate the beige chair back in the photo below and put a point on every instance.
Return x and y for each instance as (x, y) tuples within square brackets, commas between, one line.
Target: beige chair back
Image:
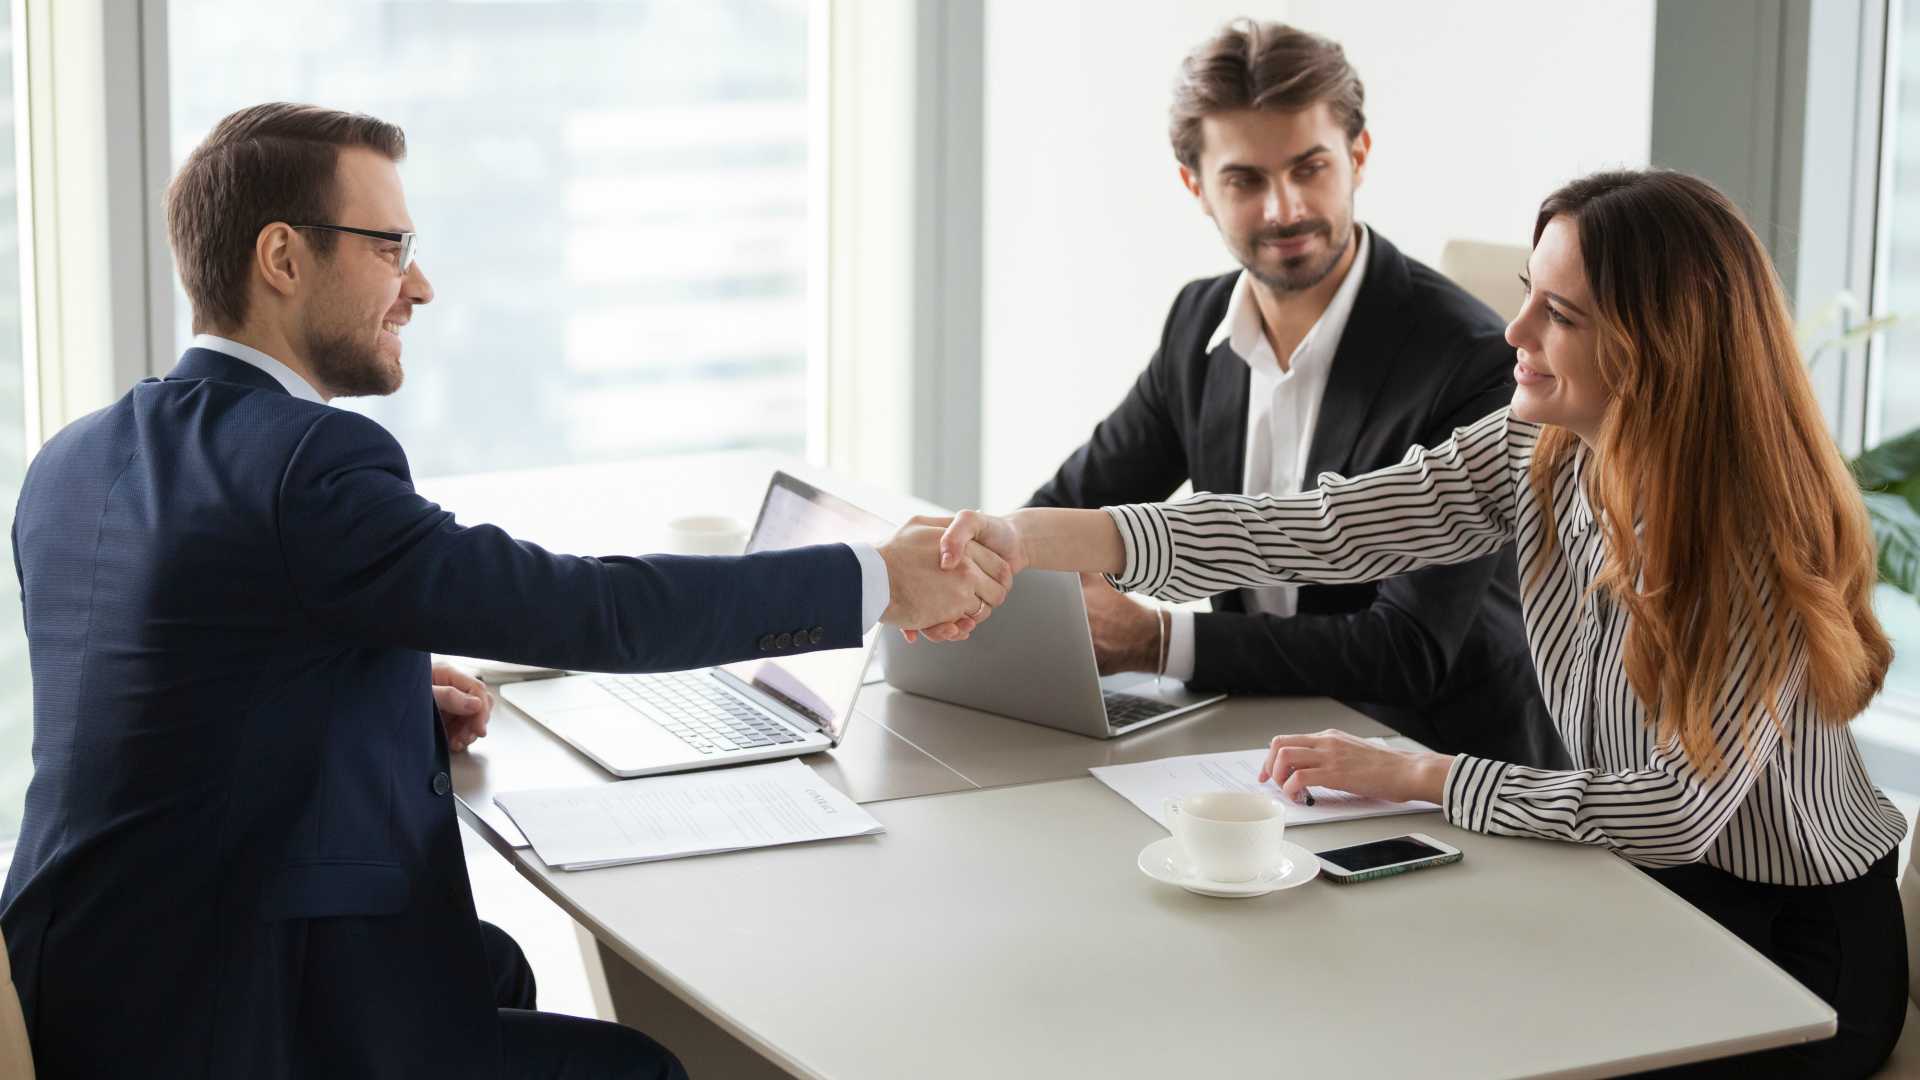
[(1491, 272), (1910, 907), (16, 1058), (1905, 1062)]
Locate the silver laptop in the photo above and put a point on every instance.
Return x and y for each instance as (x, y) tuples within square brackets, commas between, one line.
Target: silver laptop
[(1033, 660), (756, 710)]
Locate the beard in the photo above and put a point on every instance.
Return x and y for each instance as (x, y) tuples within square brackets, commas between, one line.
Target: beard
[(1300, 272), (349, 367)]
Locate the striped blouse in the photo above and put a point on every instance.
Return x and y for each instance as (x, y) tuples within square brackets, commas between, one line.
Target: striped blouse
[(1797, 810)]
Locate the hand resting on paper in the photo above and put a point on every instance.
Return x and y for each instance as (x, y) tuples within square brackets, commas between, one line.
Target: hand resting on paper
[(1335, 759)]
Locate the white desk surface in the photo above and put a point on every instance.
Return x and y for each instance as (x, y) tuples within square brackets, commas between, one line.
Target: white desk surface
[(903, 746), (871, 764), (994, 751), (1009, 933)]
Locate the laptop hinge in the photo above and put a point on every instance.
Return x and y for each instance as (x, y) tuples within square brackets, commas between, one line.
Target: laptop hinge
[(768, 701)]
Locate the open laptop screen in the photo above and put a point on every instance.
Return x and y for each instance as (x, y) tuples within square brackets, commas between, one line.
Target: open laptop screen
[(819, 685)]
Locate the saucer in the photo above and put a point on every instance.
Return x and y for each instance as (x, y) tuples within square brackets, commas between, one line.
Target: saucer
[(1163, 860)]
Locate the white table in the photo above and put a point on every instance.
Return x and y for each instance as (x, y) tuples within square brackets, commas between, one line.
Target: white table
[(1001, 928), (1008, 933)]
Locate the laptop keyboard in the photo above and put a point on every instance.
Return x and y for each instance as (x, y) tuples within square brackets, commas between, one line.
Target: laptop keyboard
[(694, 708), (1125, 709)]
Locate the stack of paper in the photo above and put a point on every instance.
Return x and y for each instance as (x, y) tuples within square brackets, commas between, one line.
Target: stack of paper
[(666, 817), (1148, 784)]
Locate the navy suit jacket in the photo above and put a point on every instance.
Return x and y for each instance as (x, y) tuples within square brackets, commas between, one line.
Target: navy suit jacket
[(239, 855)]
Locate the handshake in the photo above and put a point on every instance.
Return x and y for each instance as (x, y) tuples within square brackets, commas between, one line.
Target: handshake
[(946, 575)]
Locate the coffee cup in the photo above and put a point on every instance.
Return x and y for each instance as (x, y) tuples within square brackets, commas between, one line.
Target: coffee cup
[(705, 534), (1228, 836)]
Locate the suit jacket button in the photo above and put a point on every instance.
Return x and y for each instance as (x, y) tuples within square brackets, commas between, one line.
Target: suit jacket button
[(784, 641), (442, 783), (819, 635), (766, 643)]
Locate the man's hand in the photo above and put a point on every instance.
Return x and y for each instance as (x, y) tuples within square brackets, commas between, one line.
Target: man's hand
[(1126, 633), (464, 702), (923, 594)]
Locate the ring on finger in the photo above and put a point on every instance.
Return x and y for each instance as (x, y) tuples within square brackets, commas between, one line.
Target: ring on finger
[(977, 612)]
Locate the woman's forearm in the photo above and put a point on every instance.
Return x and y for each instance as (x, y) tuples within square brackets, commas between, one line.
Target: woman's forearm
[(1086, 541)]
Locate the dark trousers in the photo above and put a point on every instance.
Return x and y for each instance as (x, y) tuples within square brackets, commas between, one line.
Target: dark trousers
[(1846, 943), (551, 1046)]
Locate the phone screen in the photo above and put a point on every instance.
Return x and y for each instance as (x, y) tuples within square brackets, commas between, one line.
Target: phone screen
[(1379, 853)]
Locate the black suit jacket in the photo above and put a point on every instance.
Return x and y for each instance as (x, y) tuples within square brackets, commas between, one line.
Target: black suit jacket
[(239, 856), (1438, 654)]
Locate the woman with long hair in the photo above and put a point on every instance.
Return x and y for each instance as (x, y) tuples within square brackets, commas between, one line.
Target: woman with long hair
[(1696, 573)]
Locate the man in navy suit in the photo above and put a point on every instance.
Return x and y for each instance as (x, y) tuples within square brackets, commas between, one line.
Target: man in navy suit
[(240, 856)]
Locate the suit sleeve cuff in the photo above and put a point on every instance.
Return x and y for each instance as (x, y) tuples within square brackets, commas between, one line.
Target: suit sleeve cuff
[(875, 588), (1180, 647)]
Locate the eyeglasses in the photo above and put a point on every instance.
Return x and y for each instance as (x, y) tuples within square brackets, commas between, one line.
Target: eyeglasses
[(409, 242)]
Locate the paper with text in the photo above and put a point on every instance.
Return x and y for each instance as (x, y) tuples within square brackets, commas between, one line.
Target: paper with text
[(666, 817), (1148, 784)]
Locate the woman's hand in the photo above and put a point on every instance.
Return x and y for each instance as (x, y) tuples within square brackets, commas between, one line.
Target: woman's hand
[(999, 535), (923, 591), (964, 625), (1041, 538), (1343, 762)]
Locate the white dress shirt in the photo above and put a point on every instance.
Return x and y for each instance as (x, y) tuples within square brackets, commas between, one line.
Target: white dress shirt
[(1282, 408), (281, 373), (1794, 804), (875, 588)]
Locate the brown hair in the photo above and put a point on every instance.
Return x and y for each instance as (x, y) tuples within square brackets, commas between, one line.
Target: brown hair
[(264, 164), (1256, 65), (1734, 529)]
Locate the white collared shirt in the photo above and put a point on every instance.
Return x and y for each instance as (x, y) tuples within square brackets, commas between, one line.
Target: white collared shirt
[(875, 586), (281, 373), (1282, 408)]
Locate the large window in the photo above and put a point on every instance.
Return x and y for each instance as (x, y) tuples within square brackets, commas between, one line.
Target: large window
[(612, 200), (16, 693), (1895, 403)]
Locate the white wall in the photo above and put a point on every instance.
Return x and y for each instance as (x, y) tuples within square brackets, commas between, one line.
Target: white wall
[(1477, 111)]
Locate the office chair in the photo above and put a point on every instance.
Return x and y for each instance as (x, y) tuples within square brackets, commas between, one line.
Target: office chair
[(1905, 1062), (1490, 272), (16, 1059)]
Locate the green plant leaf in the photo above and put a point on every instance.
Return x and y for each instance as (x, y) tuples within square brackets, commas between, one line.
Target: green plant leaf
[(1896, 530), (1891, 464)]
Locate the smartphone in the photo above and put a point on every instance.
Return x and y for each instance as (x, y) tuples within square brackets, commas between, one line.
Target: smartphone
[(1379, 858)]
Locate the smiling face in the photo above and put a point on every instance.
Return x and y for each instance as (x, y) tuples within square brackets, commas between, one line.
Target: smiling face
[(1279, 185), (1556, 334), (350, 329)]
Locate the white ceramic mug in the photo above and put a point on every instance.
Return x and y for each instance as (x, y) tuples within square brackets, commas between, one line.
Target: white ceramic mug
[(705, 534), (1229, 836)]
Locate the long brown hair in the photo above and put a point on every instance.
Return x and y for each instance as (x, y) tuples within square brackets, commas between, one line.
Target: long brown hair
[(1714, 445)]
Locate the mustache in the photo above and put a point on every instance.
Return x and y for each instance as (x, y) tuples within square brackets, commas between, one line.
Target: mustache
[(1294, 231)]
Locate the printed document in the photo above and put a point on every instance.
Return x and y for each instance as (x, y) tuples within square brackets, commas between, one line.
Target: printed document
[(1148, 784), (666, 817)]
